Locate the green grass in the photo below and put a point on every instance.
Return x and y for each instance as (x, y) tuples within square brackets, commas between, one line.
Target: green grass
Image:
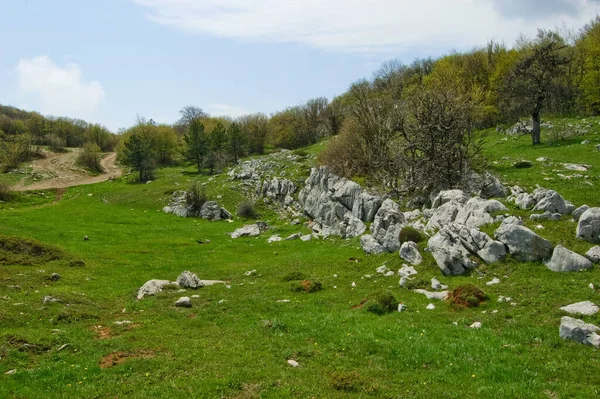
[(239, 348)]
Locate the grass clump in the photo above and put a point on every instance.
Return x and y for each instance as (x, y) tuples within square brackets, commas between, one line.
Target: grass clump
[(417, 284), (196, 196), (381, 303), (348, 381), (307, 286), (246, 210), (411, 234), (26, 252), (294, 276), (467, 296)]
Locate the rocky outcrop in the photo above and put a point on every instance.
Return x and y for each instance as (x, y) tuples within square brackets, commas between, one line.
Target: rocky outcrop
[(579, 211), (387, 225), (523, 244), (445, 196), (588, 227), (564, 260), (443, 215), (278, 189), (579, 331), (370, 245), (210, 210), (328, 198), (477, 212), (541, 199)]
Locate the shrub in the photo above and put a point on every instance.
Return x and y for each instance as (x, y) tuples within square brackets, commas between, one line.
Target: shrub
[(467, 296), (6, 193), (307, 286), (347, 381), (195, 197), (409, 233), (294, 276), (416, 283), (381, 303), (55, 143), (89, 157), (246, 210)]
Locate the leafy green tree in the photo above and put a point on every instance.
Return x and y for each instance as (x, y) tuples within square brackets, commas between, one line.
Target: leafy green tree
[(217, 142), (196, 143), (138, 154), (236, 142), (536, 81)]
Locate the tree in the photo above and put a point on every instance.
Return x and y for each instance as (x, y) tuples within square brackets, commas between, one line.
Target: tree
[(536, 79), (138, 153), (217, 141), (255, 127), (196, 143), (236, 142), (190, 113)]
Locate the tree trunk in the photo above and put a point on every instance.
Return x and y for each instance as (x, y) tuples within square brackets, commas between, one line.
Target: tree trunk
[(535, 132)]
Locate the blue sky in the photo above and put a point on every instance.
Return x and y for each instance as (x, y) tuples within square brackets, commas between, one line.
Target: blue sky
[(109, 61)]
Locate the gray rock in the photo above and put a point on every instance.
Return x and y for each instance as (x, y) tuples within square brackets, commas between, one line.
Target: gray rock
[(436, 285), (444, 215), (152, 287), (570, 207), (585, 308), (54, 277), (440, 296), (525, 201), (184, 302), (188, 279), (210, 210), (593, 254), (549, 201), (478, 243), (410, 253), (274, 238), (564, 260), (523, 244), (512, 220), (407, 271), (491, 187), (49, 299), (546, 216), (278, 189), (445, 196), (350, 226), (293, 237), (579, 331), (588, 227), (494, 281), (579, 211), (477, 212), (450, 255), (387, 225), (306, 237), (370, 245), (251, 230), (366, 206)]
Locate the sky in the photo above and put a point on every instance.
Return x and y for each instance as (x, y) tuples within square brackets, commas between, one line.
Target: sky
[(109, 61)]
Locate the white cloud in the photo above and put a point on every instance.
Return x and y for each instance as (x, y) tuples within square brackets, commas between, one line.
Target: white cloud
[(367, 26), (226, 110), (60, 90)]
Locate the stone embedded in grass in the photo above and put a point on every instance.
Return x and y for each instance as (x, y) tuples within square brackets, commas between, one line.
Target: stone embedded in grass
[(184, 302), (370, 245), (54, 277), (293, 237), (477, 324), (152, 287), (410, 253), (49, 299), (306, 237), (593, 254), (494, 281), (250, 273), (293, 363), (523, 244), (274, 238), (579, 331), (564, 260), (431, 306), (251, 230), (441, 296), (436, 285), (588, 227), (546, 216), (585, 308), (579, 211), (188, 279)]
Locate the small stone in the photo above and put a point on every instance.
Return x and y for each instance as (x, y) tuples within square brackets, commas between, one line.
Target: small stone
[(592, 286), (195, 296), (54, 277), (274, 238), (293, 363), (86, 238), (593, 254), (221, 301), (122, 322), (283, 301), (504, 299), (353, 284), (579, 331), (10, 372), (495, 311), (49, 299), (494, 281), (184, 302), (477, 324), (389, 274), (382, 269), (188, 279), (401, 307), (250, 273), (431, 306), (436, 285)]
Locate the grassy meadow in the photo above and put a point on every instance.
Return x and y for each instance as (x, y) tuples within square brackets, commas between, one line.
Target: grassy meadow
[(235, 342)]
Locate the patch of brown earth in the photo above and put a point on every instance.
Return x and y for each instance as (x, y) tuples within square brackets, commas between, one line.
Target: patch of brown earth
[(103, 332), (116, 358)]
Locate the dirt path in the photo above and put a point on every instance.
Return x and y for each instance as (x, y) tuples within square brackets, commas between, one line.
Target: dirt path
[(61, 171)]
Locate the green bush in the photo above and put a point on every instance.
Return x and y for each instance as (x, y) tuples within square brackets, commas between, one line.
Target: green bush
[(307, 286), (411, 234), (246, 210), (196, 196), (89, 157), (381, 303), (416, 283), (467, 296)]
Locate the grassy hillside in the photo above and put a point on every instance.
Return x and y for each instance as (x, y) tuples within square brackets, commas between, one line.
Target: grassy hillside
[(235, 342)]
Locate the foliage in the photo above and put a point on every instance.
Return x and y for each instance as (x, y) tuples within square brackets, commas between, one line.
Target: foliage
[(255, 128), (16, 149), (409, 233), (237, 143), (139, 154), (381, 302), (245, 209), (89, 157), (467, 295), (6, 193), (417, 283), (196, 196), (196, 143)]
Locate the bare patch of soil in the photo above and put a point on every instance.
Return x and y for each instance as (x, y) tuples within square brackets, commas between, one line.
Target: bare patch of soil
[(116, 358)]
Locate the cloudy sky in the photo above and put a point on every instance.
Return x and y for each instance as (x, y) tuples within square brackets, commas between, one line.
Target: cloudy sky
[(108, 61)]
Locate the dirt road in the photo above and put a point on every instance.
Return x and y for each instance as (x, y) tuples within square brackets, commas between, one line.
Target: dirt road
[(61, 171)]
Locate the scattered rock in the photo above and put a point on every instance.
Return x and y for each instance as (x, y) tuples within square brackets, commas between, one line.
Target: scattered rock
[(593, 254), (407, 271), (306, 237), (250, 273), (370, 245), (588, 227), (564, 260), (440, 296), (436, 285), (152, 287), (210, 210), (579, 211), (523, 244), (184, 302), (86, 238), (278, 189), (585, 308), (512, 220), (444, 215), (410, 253), (387, 224), (431, 306), (504, 299), (549, 201), (293, 237), (546, 216), (477, 324), (251, 230), (188, 279), (49, 299), (576, 167), (477, 212), (494, 281), (274, 238), (579, 331), (54, 277), (445, 196), (10, 372), (293, 363)]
